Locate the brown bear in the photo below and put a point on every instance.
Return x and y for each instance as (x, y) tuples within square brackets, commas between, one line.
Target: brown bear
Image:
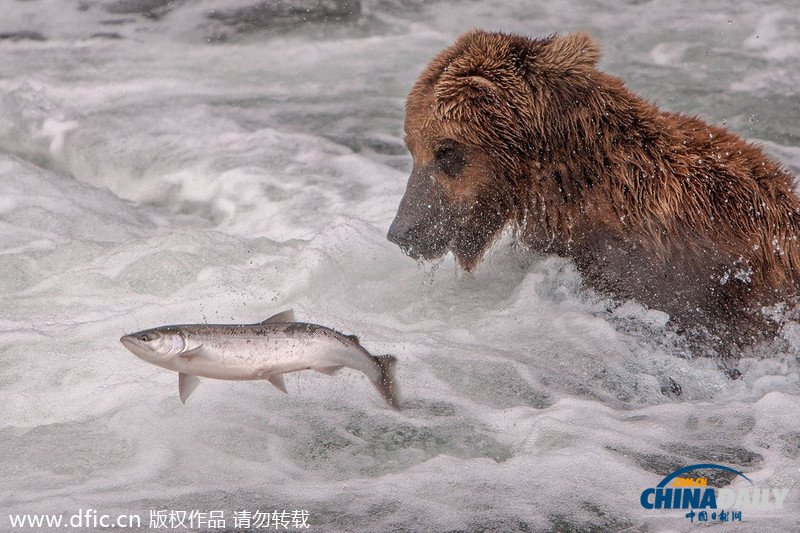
[(653, 206)]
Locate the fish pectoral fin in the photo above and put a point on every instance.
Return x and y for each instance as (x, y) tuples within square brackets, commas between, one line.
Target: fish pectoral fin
[(283, 316), (328, 370), (186, 385), (278, 381)]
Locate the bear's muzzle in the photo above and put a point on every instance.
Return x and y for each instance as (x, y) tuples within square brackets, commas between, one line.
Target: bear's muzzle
[(424, 225)]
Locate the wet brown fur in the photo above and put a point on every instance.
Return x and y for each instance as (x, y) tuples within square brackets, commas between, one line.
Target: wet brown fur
[(655, 206)]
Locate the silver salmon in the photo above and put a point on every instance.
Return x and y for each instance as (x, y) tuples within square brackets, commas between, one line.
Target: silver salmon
[(266, 350)]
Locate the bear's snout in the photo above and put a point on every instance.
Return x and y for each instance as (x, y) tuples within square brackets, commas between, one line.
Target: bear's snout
[(424, 224)]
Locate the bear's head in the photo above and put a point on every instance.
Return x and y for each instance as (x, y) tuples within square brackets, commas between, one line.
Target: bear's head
[(479, 122)]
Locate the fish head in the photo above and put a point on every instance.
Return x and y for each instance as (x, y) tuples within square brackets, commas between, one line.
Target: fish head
[(157, 346)]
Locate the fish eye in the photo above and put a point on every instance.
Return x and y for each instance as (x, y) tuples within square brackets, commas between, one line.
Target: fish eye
[(146, 337)]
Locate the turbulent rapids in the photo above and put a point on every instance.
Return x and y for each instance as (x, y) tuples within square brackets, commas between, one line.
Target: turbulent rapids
[(209, 170)]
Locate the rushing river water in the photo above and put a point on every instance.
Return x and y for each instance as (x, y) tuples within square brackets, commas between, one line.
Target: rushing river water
[(211, 161)]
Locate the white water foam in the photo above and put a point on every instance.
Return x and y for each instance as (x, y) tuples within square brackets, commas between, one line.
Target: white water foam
[(159, 178)]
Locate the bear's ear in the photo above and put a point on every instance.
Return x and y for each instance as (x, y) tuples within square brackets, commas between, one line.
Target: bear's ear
[(568, 54), (457, 95), (470, 87)]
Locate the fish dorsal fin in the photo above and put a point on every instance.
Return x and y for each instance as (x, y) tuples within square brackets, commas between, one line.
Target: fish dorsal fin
[(186, 385), (278, 381), (283, 316)]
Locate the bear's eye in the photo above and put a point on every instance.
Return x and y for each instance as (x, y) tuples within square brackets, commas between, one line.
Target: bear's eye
[(450, 157)]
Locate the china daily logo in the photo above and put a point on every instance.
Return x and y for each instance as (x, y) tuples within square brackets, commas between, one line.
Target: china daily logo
[(706, 503)]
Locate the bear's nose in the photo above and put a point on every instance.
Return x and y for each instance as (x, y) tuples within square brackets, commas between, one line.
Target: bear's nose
[(423, 226), (400, 235), (425, 238)]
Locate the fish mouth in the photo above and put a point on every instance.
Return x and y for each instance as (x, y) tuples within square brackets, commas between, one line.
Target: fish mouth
[(134, 346), (127, 341)]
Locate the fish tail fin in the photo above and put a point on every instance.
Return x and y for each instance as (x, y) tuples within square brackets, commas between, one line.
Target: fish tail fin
[(386, 383)]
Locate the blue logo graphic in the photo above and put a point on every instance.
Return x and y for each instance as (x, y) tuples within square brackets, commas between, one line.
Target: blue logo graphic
[(723, 504)]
